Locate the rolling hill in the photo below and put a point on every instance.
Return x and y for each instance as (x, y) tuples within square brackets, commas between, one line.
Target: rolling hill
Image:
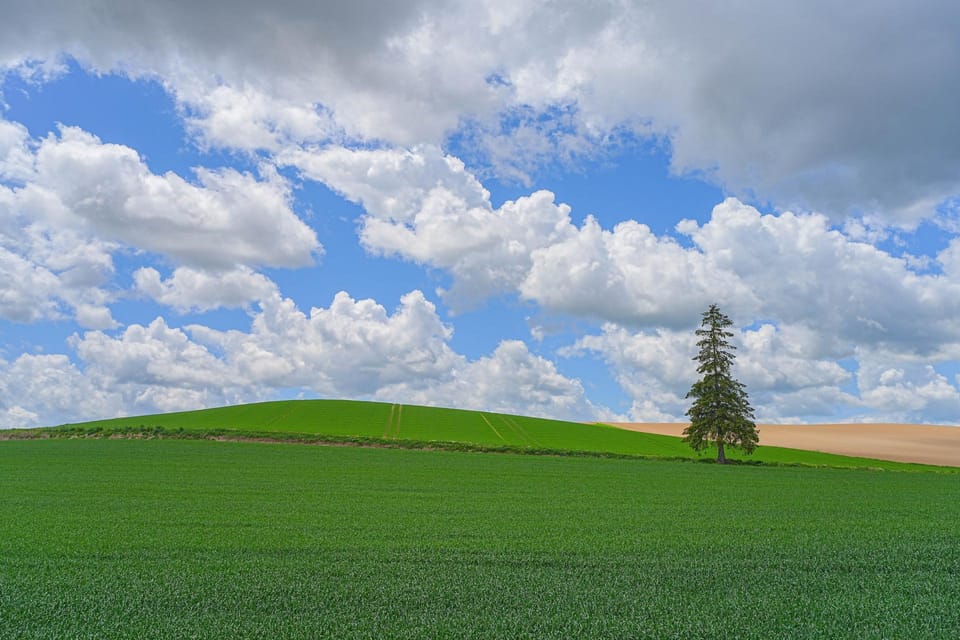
[(377, 423)]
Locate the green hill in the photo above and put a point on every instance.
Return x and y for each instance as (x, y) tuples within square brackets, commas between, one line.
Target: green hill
[(408, 425), (404, 423)]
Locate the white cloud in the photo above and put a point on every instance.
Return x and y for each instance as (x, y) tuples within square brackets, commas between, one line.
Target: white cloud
[(28, 291), (377, 67), (90, 316), (788, 105), (46, 269), (510, 380), (628, 275), (352, 349), (16, 417), (16, 159), (830, 295), (794, 268), (156, 368), (425, 206), (195, 290), (905, 389), (797, 105), (153, 355), (786, 381), (392, 184), (38, 390), (843, 293), (794, 104), (949, 259), (245, 118), (657, 369), (228, 218), (73, 201), (778, 359)]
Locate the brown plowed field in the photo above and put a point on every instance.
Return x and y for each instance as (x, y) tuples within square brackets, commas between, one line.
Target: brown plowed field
[(902, 442)]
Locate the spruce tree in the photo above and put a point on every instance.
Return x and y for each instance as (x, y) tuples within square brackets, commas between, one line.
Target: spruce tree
[(721, 413)]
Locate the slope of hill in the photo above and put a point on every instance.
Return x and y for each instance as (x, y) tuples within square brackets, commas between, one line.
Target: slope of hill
[(398, 422), (406, 425)]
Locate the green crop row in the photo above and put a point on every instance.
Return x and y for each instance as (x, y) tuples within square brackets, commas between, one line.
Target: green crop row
[(166, 538)]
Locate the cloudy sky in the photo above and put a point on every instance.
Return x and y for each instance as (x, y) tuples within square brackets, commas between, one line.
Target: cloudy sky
[(506, 205)]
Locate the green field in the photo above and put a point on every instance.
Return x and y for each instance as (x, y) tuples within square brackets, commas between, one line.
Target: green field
[(386, 423), (177, 539)]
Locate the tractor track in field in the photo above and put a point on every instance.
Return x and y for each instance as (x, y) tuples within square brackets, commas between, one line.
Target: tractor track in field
[(392, 429), (493, 428), (520, 431)]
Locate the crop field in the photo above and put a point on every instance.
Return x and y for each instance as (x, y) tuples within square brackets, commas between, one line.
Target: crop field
[(177, 538), (409, 423)]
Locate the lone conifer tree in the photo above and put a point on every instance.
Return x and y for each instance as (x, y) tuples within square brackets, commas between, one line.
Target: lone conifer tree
[(721, 412)]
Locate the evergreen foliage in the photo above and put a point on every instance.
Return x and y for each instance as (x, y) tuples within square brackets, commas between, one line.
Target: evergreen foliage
[(721, 413)]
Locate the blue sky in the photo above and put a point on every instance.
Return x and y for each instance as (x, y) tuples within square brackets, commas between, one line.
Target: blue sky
[(505, 207)]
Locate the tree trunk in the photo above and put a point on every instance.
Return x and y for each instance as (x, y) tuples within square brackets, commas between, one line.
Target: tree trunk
[(721, 457)]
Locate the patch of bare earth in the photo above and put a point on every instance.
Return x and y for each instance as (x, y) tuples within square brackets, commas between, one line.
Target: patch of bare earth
[(900, 442)]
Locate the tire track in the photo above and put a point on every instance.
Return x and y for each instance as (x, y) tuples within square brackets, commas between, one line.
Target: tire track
[(519, 430), (389, 427), (490, 424), (396, 428)]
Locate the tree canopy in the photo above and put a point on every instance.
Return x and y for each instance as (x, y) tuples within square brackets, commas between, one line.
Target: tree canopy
[(721, 414)]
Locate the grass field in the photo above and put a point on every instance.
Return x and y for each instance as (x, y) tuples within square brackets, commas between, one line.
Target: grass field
[(408, 423), (175, 539)]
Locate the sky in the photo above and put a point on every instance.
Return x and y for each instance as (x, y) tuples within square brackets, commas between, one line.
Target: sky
[(508, 206)]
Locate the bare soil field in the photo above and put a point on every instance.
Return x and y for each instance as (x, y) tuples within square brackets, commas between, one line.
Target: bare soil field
[(901, 442)]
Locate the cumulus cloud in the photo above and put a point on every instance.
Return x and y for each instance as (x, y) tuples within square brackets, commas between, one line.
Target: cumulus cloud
[(794, 268), (510, 380), (68, 202), (656, 368), (797, 268), (844, 293), (48, 270), (245, 118), (786, 383), (628, 275), (38, 390), (194, 290), (158, 367), (376, 67), (16, 159), (228, 218), (29, 291), (905, 389), (829, 293), (777, 359), (795, 104), (425, 206), (351, 349)]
